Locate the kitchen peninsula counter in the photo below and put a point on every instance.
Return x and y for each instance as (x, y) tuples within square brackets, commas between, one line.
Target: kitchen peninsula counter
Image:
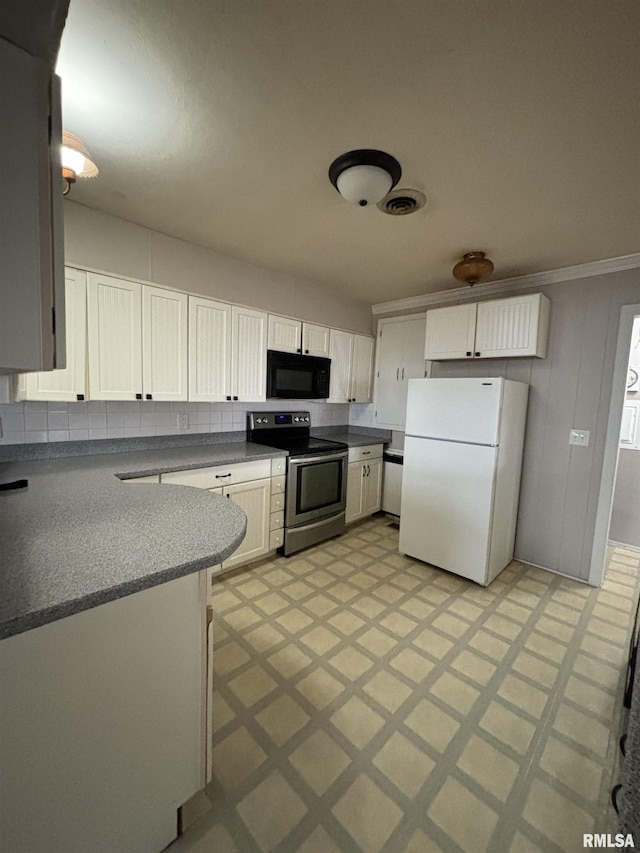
[(80, 536)]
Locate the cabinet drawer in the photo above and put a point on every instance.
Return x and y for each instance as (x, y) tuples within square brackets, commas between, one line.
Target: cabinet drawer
[(220, 475), (277, 503), (362, 454), (276, 539), (278, 466), (276, 520), (278, 484)]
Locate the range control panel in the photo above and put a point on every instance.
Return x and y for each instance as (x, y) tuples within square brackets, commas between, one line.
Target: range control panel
[(274, 420)]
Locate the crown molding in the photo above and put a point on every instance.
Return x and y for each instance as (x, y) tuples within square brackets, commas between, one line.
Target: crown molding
[(509, 285)]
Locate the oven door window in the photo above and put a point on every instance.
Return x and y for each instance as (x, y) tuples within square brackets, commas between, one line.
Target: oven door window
[(319, 485)]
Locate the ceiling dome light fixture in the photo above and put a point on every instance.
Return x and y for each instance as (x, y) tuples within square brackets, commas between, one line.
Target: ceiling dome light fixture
[(76, 161), (473, 267), (364, 176)]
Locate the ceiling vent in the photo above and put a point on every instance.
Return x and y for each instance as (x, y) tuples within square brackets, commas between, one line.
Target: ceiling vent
[(401, 202)]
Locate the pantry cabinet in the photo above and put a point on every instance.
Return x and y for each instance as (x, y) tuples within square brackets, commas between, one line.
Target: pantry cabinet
[(289, 335), (68, 383), (137, 340), (498, 328), (400, 357), (364, 482), (351, 367)]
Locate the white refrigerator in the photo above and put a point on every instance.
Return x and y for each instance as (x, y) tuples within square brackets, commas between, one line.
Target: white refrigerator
[(461, 478)]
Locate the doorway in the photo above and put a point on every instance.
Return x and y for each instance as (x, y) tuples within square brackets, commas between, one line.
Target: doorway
[(618, 417)]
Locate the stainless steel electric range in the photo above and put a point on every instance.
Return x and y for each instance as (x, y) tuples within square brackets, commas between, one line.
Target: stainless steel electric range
[(316, 476)]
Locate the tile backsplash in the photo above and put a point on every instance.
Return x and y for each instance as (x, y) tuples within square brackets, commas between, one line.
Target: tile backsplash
[(30, 422)]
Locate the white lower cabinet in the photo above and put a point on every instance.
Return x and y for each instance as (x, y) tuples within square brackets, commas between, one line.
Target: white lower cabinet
[(258, 487), (364, 482), (254, 498), (104, 723)]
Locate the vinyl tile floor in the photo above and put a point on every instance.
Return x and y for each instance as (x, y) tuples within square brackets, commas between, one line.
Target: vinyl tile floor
[(365, 701)]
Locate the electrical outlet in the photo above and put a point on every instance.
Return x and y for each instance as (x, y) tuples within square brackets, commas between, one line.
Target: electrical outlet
[(579, 437), (183, 420)]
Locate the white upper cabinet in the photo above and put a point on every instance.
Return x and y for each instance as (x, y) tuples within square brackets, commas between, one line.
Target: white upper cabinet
[(209, 350), (114, 312), (498, 328), (361, 369), (400, 357), (164, 344), (31, 334), (507, 328), (287, 335), (248, 354), (351, 367), (137, 340), (68, 383), (284, 334), (340, 353), (315, 340), (450, 332)]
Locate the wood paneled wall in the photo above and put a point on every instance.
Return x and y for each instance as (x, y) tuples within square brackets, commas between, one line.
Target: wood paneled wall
[(569, 388)]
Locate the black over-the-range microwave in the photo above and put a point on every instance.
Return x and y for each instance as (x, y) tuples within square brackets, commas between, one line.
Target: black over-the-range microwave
[(291, 376)]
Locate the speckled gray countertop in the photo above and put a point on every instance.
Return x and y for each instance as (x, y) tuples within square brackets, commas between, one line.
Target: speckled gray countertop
[(79, 536), (352, 437)]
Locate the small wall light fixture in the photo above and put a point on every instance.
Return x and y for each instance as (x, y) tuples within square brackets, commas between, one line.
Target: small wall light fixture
[(364, 176), (76, 161), (473, 267)]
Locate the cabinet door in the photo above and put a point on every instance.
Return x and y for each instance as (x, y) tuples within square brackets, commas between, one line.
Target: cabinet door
[(249, 354), (509, 327), (315, 340), (372, 496), (284, 334), (340, 353), (68, 383), (400, 357), (164, 344), (114, 309), (30, 214), (450, 332), (254, 498), (361, 369), (209, 350), (356, 472)]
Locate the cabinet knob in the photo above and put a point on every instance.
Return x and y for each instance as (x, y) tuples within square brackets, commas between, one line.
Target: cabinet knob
[(228, 396), (306, 352), (138, 396), (298, 350), (148, 397), (469, 354), (477, 354), (79, 396), (364, 470), (235, 398)]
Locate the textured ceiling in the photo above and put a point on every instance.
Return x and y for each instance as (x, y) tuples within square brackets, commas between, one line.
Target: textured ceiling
[(216, 122)]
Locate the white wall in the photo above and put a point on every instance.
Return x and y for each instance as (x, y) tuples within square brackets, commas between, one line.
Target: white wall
[(99, 241)]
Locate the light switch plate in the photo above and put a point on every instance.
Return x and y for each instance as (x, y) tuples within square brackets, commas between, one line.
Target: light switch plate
[(579, 437)]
